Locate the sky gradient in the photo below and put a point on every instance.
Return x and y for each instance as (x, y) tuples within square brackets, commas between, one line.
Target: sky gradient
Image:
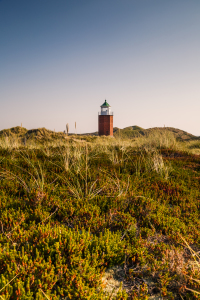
[(60, 59)]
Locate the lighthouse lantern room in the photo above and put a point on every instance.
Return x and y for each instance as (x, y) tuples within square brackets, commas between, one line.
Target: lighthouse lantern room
[(105, 120)]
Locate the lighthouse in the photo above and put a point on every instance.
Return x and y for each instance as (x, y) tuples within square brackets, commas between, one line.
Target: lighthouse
[(105, 120)]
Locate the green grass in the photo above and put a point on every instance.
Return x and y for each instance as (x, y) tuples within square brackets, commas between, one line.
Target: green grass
[(87, 217)]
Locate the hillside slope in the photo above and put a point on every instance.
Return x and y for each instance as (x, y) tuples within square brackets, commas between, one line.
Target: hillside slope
[(39, 133), (127, 132), (18, 131), (136, 131)]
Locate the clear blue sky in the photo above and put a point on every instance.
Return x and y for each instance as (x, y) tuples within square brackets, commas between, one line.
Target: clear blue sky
[(60, 59)]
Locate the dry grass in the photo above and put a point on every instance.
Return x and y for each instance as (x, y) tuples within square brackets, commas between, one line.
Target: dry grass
[(157, 139), (194, 264), (10, 142), (113, 280)]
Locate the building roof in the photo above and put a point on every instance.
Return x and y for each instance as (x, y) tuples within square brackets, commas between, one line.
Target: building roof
[(105, 104)]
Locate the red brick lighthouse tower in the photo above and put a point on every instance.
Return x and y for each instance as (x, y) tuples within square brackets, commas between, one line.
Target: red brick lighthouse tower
[(105, 120)]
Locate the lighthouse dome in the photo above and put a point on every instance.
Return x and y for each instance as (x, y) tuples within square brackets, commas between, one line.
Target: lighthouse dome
[(105, 104)]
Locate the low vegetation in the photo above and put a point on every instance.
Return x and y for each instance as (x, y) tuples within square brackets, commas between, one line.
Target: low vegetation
[(87, 217)]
